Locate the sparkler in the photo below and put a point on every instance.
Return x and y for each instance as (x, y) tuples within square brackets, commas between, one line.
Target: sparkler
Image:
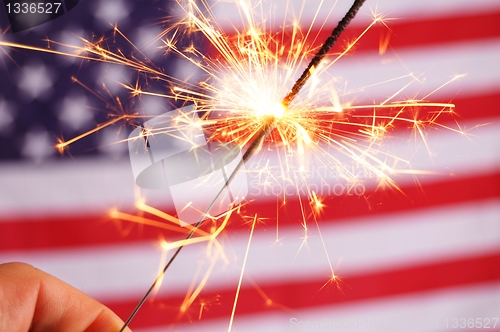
[(254, 112), (257, 142)]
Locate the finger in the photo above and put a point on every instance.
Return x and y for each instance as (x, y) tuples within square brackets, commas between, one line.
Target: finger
[(31, 299)]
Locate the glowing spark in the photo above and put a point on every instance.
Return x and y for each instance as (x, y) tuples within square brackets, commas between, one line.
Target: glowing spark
[(241, 275), (192, 295), (64, 144), (317, 202), (276, 111)]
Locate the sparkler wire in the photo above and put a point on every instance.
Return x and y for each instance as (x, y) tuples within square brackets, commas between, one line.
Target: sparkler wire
[(258, 140), (330, 41)]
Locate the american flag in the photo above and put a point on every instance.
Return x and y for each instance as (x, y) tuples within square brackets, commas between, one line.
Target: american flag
[(423, 259)]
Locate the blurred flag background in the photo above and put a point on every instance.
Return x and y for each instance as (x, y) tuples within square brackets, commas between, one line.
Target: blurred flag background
[(426, 258)]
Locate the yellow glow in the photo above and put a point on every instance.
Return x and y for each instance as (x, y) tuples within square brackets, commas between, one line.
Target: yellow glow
[(276, 110)]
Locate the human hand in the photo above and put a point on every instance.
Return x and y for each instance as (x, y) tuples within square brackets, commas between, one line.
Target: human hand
[(32, 300)]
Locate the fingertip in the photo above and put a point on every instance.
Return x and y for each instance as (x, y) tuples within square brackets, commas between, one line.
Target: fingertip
[(106, 321), (35, 300)]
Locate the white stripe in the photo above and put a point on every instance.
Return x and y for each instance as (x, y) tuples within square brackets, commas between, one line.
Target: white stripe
[(357, 247), (64, 188), (276, 11), (94, 186), (432, 66), (451, 155), (425, 311)]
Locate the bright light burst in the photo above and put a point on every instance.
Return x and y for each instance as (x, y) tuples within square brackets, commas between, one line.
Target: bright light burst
[(248, 73)]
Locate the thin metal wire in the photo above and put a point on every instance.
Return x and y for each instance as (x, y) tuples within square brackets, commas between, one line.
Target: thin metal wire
[(330, 41), (254, 147), (162, 273)]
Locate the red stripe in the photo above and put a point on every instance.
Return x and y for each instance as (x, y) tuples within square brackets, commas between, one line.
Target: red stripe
[(417, 33), (413, 33), (383, 202), (53, 233), (474, 107), (296, 295)]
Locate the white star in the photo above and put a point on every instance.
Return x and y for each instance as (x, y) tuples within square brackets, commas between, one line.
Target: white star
[(74, 112), (153, 105), (35, 82), (112, 142), (6, 116), (37, 145), (112, 76), (108, 11), (70, 36), (146, 39), (186, 71)]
